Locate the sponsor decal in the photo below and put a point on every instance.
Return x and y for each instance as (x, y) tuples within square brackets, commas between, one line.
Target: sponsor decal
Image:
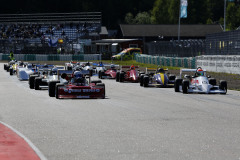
[(82, 90), (195, 81)]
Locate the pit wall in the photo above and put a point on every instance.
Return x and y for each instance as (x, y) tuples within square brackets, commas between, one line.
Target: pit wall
[(216, 63), (51, 57)]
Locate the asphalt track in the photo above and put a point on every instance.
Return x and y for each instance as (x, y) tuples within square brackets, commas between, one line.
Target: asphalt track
[(132, 123)]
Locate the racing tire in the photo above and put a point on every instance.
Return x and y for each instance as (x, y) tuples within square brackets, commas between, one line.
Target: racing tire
[(96, 81), (212, 81), (177, 84), (141, 80), (37, 83), (223, 86), (103, 86), (121, 77), (99, 75), (172, 77), (5, 67), (185, 86), (31, 81), (117, 76), (11, 71), (91, 72), (145, 81), (56, 89), (51, 88)]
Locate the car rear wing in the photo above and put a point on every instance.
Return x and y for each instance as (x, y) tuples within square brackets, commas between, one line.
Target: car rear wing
[(150, 70), (108, 66), (188, 70)]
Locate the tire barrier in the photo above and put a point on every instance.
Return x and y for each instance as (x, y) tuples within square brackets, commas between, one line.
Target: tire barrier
[(187, 62), (218, 63), (51, 57)]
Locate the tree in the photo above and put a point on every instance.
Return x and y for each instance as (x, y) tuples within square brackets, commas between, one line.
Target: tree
[(129, 18), (143, 18), (160, 12)]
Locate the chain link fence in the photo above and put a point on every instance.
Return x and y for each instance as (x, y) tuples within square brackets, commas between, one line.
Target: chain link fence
[(183, 48)]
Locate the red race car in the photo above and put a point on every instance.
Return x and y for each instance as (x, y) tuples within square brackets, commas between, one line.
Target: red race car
[(128, 73), (79, 86), (110, 72)]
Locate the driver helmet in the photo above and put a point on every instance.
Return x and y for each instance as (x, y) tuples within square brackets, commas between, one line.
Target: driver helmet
[(132, 67), (112, 66), (100, 64), (200, 72), (77, 74), (161, 70)]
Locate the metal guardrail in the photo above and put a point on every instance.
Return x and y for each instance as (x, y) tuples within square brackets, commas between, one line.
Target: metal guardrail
[(186, 62)]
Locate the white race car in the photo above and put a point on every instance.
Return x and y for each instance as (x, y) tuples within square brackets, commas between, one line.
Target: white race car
[(199, 83)]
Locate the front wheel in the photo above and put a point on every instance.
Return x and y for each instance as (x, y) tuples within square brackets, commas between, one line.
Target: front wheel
[(185, 86), (223, 86), (51, 88), (177, 84)]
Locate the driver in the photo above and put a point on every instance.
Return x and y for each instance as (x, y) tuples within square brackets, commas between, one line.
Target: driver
[(200, 72), (160, 70), (78, 78)]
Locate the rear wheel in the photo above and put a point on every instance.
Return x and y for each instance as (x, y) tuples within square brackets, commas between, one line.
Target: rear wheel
[(56, 89), (145, 81), (103, 86), (185, 86), (51, 88), (177, 84), (11, 71), (96, 81), (141, 80), (117, 76), (223, 86), (37, 83), (31, 81), (121, 77)]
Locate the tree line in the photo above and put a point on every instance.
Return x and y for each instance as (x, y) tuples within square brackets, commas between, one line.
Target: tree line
[(115, 12)]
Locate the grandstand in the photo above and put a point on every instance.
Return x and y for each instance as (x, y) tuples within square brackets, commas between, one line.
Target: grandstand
[(43, 33)]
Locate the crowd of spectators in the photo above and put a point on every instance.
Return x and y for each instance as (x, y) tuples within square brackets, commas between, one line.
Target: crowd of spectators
[(30, 31)]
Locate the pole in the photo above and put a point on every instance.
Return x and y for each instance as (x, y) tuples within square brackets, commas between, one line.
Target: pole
[(225, 3), (179, 21)]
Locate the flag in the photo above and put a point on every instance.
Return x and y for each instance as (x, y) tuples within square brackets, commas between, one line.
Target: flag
[(52, 42), (184, 4)]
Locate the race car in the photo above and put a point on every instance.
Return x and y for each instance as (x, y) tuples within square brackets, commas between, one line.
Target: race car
[(71, 65), (109, 71), (23, 72), (130, 75), (80, 86), (157, 78), (41, 71), (199, 83)]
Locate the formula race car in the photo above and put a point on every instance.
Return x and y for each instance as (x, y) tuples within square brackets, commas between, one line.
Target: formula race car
[(157, 78), (110, 72), (80, 86), (199, 83), (128, 73)]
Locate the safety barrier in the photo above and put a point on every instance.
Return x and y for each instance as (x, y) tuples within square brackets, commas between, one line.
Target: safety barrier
[(217, 63), (52, 57), (187, 62)]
